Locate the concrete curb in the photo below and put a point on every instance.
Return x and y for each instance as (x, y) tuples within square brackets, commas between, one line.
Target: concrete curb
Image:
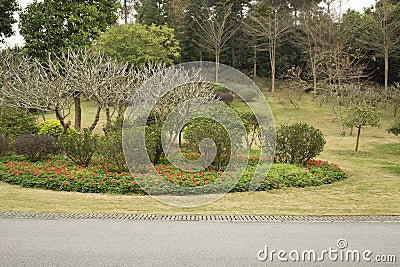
[(213, 218)]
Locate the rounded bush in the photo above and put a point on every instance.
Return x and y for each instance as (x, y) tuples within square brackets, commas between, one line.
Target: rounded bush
[(35, 146), (3, 145), (53, 128), (298, 143), (248, 94)]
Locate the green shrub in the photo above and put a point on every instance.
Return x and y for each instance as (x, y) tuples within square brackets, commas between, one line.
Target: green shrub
[(153, 143), (3, 145), (201, 128), (16, 122), (79, 147), (299, 142), (220, 89), (395, 128), (248, 94), (35, 147), (110, 149), (53, 128)]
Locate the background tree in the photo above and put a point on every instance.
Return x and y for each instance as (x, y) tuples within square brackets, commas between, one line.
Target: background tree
[(157, 12), (377, 30), (139, 44), (7, 9), (54, 25), (270, 21), (214, 30)]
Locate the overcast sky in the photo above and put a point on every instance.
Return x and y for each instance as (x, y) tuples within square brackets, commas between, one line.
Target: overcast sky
[(354, 4)]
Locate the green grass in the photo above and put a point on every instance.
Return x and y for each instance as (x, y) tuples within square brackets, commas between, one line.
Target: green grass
[(372, 189)]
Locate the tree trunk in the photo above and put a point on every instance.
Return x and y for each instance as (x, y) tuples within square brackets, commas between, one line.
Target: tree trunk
[(78, 111), (386, 69), (125, 12), (216, 65), (96, 119), (255, 64), (358, 137)]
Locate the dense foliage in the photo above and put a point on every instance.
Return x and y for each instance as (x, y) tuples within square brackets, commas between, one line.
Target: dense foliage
[(54, 25), (53, 128), (7, 9), (35, 147), (16, 122), (140, 44), (79, 147), (63, 175), (3, 145), (298, 143)]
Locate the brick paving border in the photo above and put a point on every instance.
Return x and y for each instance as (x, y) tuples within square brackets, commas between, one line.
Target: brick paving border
[(218, 218)]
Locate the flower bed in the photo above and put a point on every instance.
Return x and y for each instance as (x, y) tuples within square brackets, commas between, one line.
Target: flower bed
[(62, 175)]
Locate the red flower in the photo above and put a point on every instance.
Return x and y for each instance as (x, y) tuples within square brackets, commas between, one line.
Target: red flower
[(134, 183)]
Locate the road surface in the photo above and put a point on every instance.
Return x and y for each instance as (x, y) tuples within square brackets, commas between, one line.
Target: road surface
[(85, 242)]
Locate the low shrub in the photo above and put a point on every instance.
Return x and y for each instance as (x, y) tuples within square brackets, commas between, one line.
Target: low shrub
[(111, 151), (248, 94), (79, 147), (16, 122), (3, 145), (53, 128), (220, 89), (34, 146), (297, 143), (395, 128)]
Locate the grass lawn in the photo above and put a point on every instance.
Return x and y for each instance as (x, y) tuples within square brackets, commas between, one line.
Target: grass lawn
[(372, 189)]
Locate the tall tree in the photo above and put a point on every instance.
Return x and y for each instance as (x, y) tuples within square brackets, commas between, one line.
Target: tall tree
[(270, 22), (153, 11), (54, 25), (214, 30), (378, 31), (51, 26), (7, 9)]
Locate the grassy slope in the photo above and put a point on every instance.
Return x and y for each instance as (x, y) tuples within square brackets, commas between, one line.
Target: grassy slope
[(372, 189)]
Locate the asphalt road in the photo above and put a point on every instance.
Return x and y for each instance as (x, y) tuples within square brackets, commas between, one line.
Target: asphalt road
[(68, 242)]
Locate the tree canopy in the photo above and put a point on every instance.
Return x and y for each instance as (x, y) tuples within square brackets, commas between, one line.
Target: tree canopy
[(139, 44), (53, 25), (7, 9)]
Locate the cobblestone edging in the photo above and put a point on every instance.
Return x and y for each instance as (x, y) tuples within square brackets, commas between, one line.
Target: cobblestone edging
[(219, 218)]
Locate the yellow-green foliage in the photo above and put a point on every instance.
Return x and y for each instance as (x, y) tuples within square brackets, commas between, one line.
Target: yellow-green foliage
[(53, 128)]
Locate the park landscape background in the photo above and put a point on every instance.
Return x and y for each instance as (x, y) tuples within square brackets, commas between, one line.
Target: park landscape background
[(319, 71)]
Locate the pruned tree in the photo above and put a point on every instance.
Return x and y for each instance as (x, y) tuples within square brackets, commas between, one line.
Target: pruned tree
[(31, 84), (107, 82), (359, 117)]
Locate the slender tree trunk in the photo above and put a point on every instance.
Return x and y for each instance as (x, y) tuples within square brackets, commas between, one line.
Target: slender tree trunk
[(126, 12), (386, 69), (78, 111), (273, 66), (358, 137), (216, 66), (255, 64), (96, 119)]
